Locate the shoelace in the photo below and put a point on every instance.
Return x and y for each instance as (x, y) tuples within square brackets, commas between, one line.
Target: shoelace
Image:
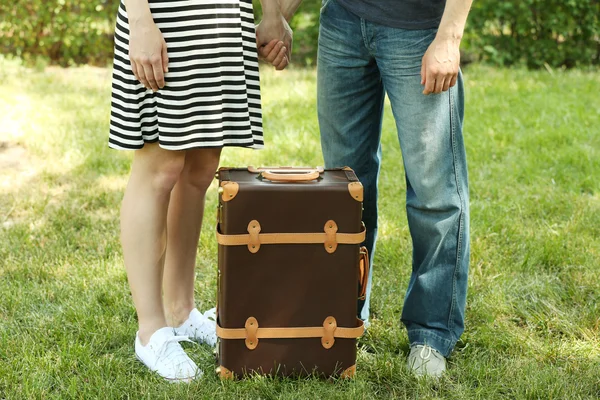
[(172, 353), (423, 348)]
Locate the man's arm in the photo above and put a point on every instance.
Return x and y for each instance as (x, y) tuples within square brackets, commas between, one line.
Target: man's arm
[(441, 61), (289, 7)]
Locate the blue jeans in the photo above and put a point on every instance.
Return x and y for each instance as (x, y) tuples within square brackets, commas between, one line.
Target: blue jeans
[(358, 63)]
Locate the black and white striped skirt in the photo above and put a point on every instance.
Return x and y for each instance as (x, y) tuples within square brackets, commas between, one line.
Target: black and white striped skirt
[(211, 96)]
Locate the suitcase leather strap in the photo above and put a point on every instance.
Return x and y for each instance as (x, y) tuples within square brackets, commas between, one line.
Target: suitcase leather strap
[(363, 269), (251, 333), (254, 239)]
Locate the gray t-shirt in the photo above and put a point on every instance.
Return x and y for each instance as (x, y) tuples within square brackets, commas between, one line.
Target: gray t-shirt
[(406, 14)]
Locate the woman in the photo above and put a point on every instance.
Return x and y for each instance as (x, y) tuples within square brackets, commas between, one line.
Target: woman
[(185, 85)]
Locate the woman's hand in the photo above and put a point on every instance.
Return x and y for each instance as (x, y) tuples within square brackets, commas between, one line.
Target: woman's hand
[(273, 37), (147, 52)]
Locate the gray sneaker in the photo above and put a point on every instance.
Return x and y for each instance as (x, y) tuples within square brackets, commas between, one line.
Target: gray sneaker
[(423, 360)]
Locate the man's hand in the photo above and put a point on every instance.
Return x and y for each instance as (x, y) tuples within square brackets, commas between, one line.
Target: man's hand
[(147, 52), (439, 69), (274, 27)]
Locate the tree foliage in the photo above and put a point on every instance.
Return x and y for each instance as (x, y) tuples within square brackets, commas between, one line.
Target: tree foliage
[(510, 32)]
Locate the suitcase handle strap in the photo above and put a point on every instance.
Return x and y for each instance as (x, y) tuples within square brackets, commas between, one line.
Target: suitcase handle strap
[(276, 176), (285, 170), (288, 174), (251, 333), (254, 239), (364, 273)]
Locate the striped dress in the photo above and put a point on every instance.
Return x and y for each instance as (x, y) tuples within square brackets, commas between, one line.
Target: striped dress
[(211, 96)]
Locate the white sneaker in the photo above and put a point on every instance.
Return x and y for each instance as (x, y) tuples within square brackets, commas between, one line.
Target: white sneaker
[(200, 327), (424, 360), (164, 355)]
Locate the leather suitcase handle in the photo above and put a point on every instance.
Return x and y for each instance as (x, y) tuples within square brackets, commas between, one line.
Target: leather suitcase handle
[(277, 176), (364, 273), (290, 170)]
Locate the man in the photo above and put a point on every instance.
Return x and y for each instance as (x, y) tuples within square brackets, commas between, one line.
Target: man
[(408, 49)]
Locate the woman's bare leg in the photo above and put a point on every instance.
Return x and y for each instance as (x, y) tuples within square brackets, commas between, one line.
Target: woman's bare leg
[(186, 210), (154, 173)]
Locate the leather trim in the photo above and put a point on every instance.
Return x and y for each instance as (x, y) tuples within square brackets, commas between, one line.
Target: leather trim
[(276, 176), (254, 234), (255, 170), (349, 372), (251, 330), (329, 326), (364, 273), (290, 238), (356, 191), (229, 190), (331, 229), (325, 332), (224, 373)]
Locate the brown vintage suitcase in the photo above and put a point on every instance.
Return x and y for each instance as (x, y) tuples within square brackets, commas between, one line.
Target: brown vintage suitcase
[(290, 270)]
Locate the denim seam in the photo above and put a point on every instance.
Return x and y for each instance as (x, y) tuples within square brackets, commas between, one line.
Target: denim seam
[(363, 31), (461, 216), (427, 332), (423, 334)]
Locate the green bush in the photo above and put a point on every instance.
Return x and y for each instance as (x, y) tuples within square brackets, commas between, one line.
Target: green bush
[(65, 32), (511, 32), (305, 25), (535, 32)]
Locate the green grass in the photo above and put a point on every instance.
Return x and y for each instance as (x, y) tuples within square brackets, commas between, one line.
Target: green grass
[(533, 140)]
